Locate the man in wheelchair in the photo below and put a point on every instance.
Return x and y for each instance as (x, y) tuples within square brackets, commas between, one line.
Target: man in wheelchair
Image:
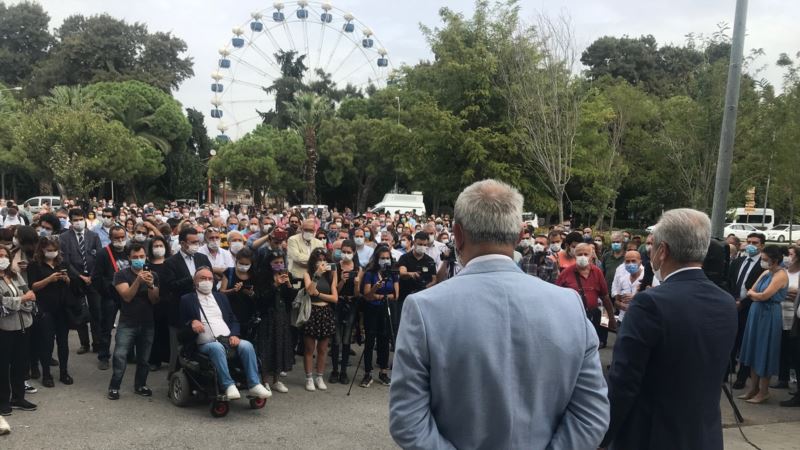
[(210, 317)]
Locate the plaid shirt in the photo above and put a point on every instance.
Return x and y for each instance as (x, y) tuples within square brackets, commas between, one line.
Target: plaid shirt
[(532, 264)]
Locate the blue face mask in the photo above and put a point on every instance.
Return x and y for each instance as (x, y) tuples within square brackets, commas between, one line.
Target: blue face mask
[(137, 264), (337, 255), (367, 234), (233, 227), (616, 246), (632, 268), (751, 250)]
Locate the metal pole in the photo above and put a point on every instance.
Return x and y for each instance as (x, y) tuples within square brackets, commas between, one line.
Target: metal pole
[(112, 191), (208, 200), (728, 134), (3, 195)]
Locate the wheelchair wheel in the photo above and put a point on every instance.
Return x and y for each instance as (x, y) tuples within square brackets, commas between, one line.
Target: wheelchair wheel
[(257, 403), (220, 408), (180, 391)]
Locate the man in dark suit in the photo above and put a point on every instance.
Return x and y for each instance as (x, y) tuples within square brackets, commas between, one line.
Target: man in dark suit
[(80, 248), (673, 348), (178, 280), (743, 274)]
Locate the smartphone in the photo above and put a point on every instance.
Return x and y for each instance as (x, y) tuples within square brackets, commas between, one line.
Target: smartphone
[(63, 270), (332, 267)]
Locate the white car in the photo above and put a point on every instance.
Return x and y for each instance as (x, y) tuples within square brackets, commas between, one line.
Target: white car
[(780, 233), (650, 228), (740, 230)]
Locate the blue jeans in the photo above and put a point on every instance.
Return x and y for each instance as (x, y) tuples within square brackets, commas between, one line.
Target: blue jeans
[(247, 355), (127, 336)]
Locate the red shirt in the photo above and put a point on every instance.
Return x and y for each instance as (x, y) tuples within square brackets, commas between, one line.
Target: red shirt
[(594, 286)]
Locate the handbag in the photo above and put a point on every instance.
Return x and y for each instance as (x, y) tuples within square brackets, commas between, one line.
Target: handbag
[(230, 352), (78, 312), (301, 308)]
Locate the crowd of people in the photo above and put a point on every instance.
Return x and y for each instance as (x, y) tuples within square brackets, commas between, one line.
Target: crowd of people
[(224, 271)]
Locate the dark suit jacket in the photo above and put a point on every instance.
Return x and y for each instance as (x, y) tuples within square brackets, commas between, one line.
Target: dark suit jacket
[(733, 276), (178, 282), (670, 355), (72, 255), (190, 311), (104, 270)]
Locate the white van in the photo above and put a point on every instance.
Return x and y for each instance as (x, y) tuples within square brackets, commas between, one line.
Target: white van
[(402, 203), (761, 218), (36, 203)]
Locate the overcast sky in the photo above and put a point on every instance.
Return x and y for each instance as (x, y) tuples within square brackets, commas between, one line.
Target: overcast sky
[(206, 25)]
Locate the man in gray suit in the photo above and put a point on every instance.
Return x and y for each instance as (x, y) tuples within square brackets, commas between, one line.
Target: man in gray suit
[(493, 358)]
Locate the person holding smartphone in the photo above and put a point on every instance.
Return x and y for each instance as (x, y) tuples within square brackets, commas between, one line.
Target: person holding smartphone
[(381, 287), (350, 275), (320, 283), (274, 337), (237, 284)]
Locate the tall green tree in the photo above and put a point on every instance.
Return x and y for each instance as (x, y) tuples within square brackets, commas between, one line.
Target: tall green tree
[(307, 113), (24, 40)]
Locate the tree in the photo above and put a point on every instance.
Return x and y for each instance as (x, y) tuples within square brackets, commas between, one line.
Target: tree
[(76, 97), (102, 48), (24, 40), (285, 88), (307, 113)]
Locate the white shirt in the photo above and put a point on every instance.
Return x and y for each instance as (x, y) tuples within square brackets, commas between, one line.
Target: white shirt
[(396, 254), (623, 285), (213, 323), (11, 221), (754, 261), (189, 263), (490, 257), (223, 258), (364, 254), (678, 271), (435, 252)]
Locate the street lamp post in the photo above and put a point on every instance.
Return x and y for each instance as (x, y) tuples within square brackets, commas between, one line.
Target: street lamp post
[(213, 153), (15, 88)]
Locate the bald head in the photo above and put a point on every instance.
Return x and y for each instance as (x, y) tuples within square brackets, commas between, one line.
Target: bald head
[(633, 257)]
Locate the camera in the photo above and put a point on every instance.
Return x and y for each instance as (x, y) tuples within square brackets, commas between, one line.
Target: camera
[(390, 272), (450, 255)]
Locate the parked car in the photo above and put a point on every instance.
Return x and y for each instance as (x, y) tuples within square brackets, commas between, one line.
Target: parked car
[(36, 203), (780, 233), (401, 203), (650, 228), (740, 230)]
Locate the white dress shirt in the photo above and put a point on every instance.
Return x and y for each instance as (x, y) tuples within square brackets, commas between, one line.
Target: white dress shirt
[(223, 258), (213, 322), (623, 285), (754, 261), (189, 260)]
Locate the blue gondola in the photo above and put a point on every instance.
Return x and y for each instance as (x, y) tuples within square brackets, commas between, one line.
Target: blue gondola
[(216, 87), (278, 16), (383, 62), (326, 17), (237, 42), (223, 138), (256, 26), (367, 43), (216, 113), (225, 63), (302, 14), (349, 27)]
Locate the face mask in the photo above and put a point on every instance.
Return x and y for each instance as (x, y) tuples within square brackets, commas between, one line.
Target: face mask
[(445, 241), (439, 227), (202, 237), (582, 261), (51, 255), (236, 246), (233, 227), (538, 248), (192, 249), (347, 256), (632, 268), (764, 265), (308, 236), (337, 255), (278, 267), (359, 241), (159, 252), (243, 267), (385, 262), (137, 264), (649, 247), (751, 250), (4, 263), (253, 228), (64, 223), (588, 237), (118, 245), (420, 249), (367, 234), (600, 243), (626, 240), (525, 243), (204, 287), (616, 246), (140, 237), (787, 261), (123, 218), (555, 248), (15, 242), (45, 232), (213, 245), (108, 223)]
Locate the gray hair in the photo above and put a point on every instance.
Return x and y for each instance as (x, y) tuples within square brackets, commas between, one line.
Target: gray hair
[(687, 232), (616, 235), (490, 211)]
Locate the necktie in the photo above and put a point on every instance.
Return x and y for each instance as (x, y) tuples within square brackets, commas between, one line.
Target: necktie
[(742, 276), (82, 249)]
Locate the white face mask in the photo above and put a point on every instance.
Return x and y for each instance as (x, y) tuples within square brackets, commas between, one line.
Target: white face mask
[(538, 248), (159, 252), (308, 236), (118, 245), (236, 246), (213, 245), (420, 249), (140, 237), (347, 256), (192, 249), (79, 225), (764, 264), (555, 248), (204, 287), (4, 263), (243, 267), (51, 255), (359, 241), (525, 243), (15, 242), (107, 223), (582, 261)]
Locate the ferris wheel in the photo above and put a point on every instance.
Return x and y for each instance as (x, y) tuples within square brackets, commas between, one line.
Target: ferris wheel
[(331, 40)]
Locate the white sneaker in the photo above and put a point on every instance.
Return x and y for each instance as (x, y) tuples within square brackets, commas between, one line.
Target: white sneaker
[(320, 384), (232, 393), (310, 385), (280, 387), (260, 391), (284, 374), (4, 428)]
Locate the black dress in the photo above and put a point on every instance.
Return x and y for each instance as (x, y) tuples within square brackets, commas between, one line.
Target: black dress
[(160, 350), (274, 342), (243, 305)]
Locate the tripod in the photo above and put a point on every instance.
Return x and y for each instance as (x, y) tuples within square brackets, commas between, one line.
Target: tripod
[(391, 335)]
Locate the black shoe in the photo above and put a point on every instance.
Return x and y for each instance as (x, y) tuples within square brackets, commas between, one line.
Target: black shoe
[(144, 391), (334, 377), (739, 384), (47, 381), (102, 364), (352, 352), (113, 394), (603, 345), (5, 409), (23, 405), (155, 367), (343, 378), (780, 385), (53, 362), (95, 350), (384, 379), (366, 381), (792, 402), (66, 379), (35, 374), (83, 349)]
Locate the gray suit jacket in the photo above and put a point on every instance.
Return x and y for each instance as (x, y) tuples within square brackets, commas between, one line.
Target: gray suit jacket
[(496, 359), (72, 255)]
